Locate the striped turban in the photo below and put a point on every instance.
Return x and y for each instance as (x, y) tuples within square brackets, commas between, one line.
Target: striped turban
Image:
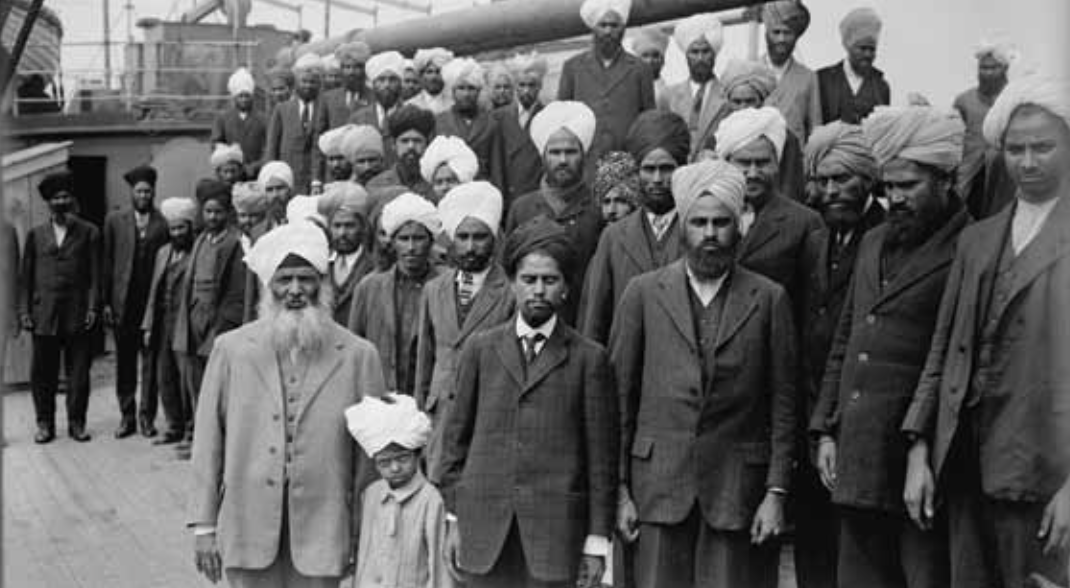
[(920, 134), (712, 177), (757, 76), (843, 144)]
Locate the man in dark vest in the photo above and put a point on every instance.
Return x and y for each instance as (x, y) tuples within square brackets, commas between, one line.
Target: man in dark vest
[(242, 124), (851, 88)]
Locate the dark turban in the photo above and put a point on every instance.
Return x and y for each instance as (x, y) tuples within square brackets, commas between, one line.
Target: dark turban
[(655, 129), (213, 189), (541, 235), (53, 184), (141, 173), (411, 118), (791, 13), (616, 169)]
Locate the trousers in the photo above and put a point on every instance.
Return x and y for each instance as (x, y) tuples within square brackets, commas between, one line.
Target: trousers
[(44, 375)]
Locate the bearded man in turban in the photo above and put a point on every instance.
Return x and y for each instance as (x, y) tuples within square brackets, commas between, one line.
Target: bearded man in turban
[(703, 482), (515, 164), (338, 166), (353, 93), (384, 70), (467, 118), (502, 86), (289, 514), (649, 44), (411, 130), (281, 84), (242, 123), (448, 163), (363, 147), (796, 94), (295, 125), (345, 207), (429, 64), (852, 88), (699, 100)]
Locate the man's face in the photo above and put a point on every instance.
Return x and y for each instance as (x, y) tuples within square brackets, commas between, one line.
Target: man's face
[(332, 79), (141, 196), (862, 54), (412, 245), (710, 237), (608, 33), (215, 216), (1036, 150), (841, 197), (397, 465), (655, 181), (653, 57), (410, 84), (780, 42), (410, 147), (181, 233), (466, 96), (296, 288), (280, 90), (387, 88), (229, 173), (744, 96), (501, 91), (243, 101), (61, 204), (353, 74), (473, 245), (757, 160), (247, 220), (540, 288), (615, 205), (278, 191), (564, 160), (444, 180), (347, 231), (366, 166), (339, 167), (308, 85), (990, 72), (432, 79), (917, 198), (528, 86), (700, 60)]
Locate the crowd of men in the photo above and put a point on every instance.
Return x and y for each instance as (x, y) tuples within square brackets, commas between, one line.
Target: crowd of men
[(426, 330)]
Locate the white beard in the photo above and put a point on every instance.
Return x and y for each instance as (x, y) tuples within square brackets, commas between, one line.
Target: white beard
[(298, 333)]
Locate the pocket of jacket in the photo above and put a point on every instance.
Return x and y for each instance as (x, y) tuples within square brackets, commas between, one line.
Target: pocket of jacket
[(643, 448)]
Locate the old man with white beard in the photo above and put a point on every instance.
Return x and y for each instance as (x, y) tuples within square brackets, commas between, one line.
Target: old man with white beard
[(274, 480)]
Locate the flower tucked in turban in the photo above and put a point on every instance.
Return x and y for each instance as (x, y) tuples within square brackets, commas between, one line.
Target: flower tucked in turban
[(540, 234), (711, 177), (141, 173), (1002, 51), (575, 117), (241, 82), (920, 134), (860, 24), (212, 189), (436, 55), (276, 170), (741, 127), (479, 200), (409, 207), (790, 13), (361, 139), (304, 208), (757, 76), (224, 154), (356, 50), (411, 118), (386, 63), (592, 11), (330, 142), (250, 198), (699, 26), (654, 129), (842, 143), (176, 210), (464, 70), (616, 170), (343, 197), (529, 63), (298, 238), (309, 62), (1051, 94), (375, 423), (649, 38), (453, 152)]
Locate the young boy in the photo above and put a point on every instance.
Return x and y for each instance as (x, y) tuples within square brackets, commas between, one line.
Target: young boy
[(403, 519)]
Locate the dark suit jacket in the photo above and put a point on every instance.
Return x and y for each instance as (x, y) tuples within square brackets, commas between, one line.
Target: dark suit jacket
[(715, 108), (515, 163), (60, 285), (538, 444), (368, 114), (250, 133), (838, 102), (876, 360), (476, 135), (120, 234), (159, 265), (343, 293), (720, 447), (1026, 453), (230, 295), (287, 141), (624, 251), (9, 273), (338, 113)]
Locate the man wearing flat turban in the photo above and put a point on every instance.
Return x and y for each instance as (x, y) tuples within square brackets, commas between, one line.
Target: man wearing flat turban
[(295, 125), (796, 94), (852, 88), (429, 64), (353, 93), (271, 429), (467, 118), (515, 165), (700, 515), (242, 123)]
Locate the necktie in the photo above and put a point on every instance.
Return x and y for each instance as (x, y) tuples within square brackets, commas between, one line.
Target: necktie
[(349, 100), (696, 106), (466, 290), (660, 225), (305, 115), (531, 347), (746, 219)]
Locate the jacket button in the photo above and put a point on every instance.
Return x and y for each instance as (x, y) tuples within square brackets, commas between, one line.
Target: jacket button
[(863, 357), (871, 319), (856, 395)]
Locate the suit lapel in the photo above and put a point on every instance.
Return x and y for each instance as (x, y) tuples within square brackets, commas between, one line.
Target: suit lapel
[(321, 369), (484, 301), (129, 236), (932, 256), (739, 304), (1051, 244), (223, 255), (636, 235), (266, 363), (389, 308), (764, 228), (713, 103), (553, 354), (509, 352), (674, 299)]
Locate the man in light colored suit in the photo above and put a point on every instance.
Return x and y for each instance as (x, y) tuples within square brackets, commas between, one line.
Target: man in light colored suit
[(459, 303), (700, 99), (276, 487), (295, 125), (796, 94)]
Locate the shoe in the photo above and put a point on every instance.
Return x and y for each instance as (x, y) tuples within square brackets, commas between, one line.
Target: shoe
[(45, 434), (126, 428), (147, 428), (168, 438), (77, 432)]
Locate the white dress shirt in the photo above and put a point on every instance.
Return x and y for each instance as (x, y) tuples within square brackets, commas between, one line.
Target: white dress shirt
[(705, 290), (853, 79), (1028, 220), (660, 223), (59, 232), (478, 279), (342, 264)]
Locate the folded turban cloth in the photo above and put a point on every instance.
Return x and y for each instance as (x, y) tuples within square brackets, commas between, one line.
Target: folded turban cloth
[(409, 207), (241, 82), (409, 65), (331, 64), (464, 70), (224, 154), (842, 143), (141, 173), (860, 24), (790, 13), (304, 208), (616, 169), (1002, 51), (479, 200), (649, 38), (375, 423), (757, 76), (250, 198), (712, 177), (309, 62), (361, 139), (55, 183), (283, 74), (543, 235), (529, 63), (275, 170), (743, 126), (411, 118), (330, 142), (212, 189), (920, 134), (1050, 93), (655, 129), (343, 197), (302, 239), (499, 70), (699, 26), (178, 210), (436, 55), (453, 152), (356, 50), (386, 63), (592, 11), (575, 117)]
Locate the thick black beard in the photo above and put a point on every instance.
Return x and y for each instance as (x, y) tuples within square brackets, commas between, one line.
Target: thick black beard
[(710, 265)]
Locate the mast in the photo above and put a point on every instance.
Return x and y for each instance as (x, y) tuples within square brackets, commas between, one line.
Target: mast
[(107, 45)]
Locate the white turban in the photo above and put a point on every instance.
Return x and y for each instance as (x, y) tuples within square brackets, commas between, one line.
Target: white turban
[(436, 55), (250, 198), (375, 423), (357, 51), (409, 65), (709, 177), (860, 24), (409, 207), (592, 11), (920, 134), (743, 126), (179, 209), (331, 63), (464, 69), (575, 117), (455, 153), (309, 62), (699, 26), (224, 153), (301, 238), (241, 82), (389, 62), (649, 38), (304, 208), (343, 196), (478, 200), (330, 142), (529, 63), (1050, 93), (1002, 51), (275, 170), (361, 139)]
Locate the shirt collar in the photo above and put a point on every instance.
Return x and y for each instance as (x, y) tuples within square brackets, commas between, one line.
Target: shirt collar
[(779, 70), (1026, 208), (850, 72), (477, 277), (652, 217), (706, 291), (523, 329), (403, 494), (351, 257)]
